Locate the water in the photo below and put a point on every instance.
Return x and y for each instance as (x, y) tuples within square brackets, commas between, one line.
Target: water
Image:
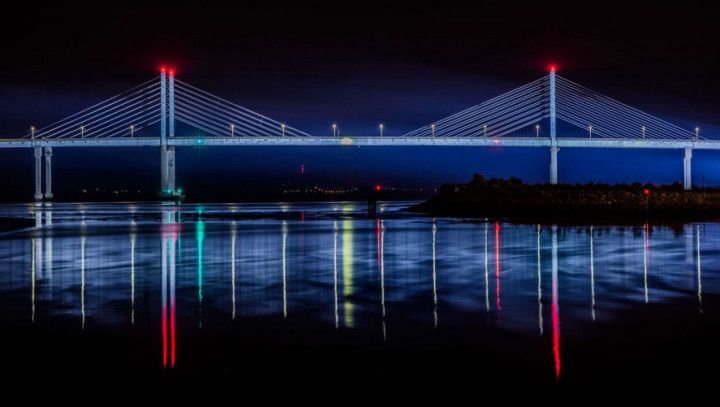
[(164, 291)]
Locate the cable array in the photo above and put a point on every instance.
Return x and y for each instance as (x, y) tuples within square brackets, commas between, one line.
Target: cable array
[(119, 116), (498, 116), (220, 117), (606, 117), (127, 113)]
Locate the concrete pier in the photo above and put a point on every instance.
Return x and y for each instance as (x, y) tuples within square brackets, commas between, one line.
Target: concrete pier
[(48, 173), (687, 169), (38, 173)]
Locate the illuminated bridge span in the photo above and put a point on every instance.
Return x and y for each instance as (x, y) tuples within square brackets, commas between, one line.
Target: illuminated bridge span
[(511, 119)]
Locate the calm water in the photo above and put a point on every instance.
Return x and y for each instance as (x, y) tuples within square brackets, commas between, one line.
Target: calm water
[(162, 290)]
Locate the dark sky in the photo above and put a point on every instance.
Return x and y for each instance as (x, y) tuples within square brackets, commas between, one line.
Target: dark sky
[(403, 64)]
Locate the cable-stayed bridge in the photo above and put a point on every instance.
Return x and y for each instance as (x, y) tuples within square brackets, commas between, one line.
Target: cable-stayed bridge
[(146, 115)]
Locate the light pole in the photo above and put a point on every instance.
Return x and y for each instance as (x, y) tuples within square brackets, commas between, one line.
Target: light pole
[(432, 130), (643, 131), (381, 126), (32, 132), (334, 129), (132, 131), (590, 130), (282, 126), (697, 133), (484, 130), (537, 131), (82, 131), (232, 130)]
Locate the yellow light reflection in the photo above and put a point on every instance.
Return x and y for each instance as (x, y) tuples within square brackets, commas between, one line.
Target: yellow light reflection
[(335, 272), (347, 237)]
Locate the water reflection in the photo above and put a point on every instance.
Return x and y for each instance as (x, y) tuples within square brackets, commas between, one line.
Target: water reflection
[(555, 310), (347, 254), (169, 237), (105, 262)]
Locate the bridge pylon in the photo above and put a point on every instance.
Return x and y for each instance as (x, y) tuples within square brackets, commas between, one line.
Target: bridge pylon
[(553, 130), (168, 188)]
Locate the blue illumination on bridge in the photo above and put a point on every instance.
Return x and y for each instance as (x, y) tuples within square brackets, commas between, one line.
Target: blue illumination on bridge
[(119, 121)]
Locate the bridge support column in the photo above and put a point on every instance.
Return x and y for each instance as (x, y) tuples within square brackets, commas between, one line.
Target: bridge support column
[(163, 169), (553, 165), (38, 174), (687, 169), (48, 173), (170, 163)]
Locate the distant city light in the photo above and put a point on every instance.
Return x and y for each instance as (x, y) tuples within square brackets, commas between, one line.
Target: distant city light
[(378, 187)]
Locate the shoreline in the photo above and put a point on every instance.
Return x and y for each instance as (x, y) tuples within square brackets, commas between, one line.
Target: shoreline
[(600, 204)]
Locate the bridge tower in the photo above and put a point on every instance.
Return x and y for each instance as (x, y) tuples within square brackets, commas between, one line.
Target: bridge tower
[(167, 131), (553, 137)]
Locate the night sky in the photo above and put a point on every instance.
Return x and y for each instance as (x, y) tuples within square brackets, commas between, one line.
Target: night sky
[(314, 63)]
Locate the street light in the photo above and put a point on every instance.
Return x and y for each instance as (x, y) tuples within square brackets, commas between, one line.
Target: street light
[(643, 131), (537, 131), (132, 131), (484, 130), (282, 126), (334, 129), (381, 126), (590, 130), (697, 133), (32, 131), (82, 131), (432, 129), (232, 130)]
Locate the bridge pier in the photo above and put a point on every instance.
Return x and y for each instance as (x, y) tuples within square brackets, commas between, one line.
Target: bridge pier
[(38, 173), (553, 165), (687, 169), (48, 173), (167, 170)]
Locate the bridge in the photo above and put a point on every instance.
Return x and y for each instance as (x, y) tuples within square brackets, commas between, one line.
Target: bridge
[(511, 119)]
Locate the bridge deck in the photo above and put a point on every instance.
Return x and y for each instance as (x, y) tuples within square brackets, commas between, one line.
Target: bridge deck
[(366, 141)]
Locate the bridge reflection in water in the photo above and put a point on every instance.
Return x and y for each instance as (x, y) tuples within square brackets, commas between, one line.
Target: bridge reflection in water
[(387, 278)]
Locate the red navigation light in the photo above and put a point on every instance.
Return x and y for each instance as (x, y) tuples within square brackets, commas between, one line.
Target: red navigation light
[(646, 192), (171, 71), (378, 187), (552, 67), (163, 69)]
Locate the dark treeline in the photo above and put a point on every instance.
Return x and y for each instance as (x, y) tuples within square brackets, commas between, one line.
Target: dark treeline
[(633, 203)]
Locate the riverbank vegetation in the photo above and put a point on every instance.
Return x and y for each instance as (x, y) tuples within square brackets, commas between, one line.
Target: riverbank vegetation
[(511, 198)]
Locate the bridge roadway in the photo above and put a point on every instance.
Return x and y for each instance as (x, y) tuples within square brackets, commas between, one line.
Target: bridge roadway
[(563, 142)]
